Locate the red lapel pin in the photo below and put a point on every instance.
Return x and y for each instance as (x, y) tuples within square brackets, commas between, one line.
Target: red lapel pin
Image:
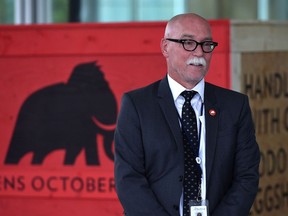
[(212, 112)]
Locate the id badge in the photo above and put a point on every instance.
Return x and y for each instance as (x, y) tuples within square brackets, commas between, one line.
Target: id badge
[(199, 208)]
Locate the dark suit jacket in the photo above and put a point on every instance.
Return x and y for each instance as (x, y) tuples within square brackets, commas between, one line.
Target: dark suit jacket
[(149, 152)]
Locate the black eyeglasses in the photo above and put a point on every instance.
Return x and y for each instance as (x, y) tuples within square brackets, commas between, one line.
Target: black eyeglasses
[(191, 45)]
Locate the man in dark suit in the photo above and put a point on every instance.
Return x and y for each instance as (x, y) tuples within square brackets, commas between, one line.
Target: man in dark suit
[(149, 155)]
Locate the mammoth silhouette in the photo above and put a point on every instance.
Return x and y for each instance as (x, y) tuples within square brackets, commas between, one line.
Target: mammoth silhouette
[(67, 116)]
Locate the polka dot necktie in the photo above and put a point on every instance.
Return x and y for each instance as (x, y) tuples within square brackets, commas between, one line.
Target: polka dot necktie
[(192, 170)]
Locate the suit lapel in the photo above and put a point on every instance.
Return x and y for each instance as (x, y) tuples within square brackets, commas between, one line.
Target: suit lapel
[(211, 121), (167, 105)]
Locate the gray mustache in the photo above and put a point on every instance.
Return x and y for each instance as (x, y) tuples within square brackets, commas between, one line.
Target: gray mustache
[(197, 61)]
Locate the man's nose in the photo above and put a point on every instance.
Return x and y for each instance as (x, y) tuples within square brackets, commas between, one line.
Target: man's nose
[(198, 51)]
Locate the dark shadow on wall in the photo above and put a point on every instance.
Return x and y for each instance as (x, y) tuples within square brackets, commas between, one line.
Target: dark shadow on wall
[(67, 116)]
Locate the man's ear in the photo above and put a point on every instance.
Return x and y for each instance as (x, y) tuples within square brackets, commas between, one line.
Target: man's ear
[(164, 46)]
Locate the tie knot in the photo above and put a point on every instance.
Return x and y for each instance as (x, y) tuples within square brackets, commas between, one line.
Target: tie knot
[(188, 95)]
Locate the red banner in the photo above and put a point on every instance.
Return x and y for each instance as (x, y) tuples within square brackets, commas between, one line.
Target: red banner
[(60, 91)]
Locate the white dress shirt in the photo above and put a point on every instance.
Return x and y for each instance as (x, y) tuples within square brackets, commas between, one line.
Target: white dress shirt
[(197, 103)]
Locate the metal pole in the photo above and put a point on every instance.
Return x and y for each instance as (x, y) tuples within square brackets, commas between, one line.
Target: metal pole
[(179, 7), (28, 12), (18, 11), (263, 10)]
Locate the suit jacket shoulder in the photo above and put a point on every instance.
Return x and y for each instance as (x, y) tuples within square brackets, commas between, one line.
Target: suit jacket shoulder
[(144, 91), (224, 97), (222, 91)]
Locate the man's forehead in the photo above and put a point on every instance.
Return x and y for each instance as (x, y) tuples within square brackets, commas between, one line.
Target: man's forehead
[(188, 25), (193, 36)]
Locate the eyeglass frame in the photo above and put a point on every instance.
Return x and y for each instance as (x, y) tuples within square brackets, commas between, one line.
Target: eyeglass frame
[(182, 41)]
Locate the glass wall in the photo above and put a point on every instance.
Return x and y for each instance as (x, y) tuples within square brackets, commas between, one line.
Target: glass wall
[(62, 11), (6, 11)]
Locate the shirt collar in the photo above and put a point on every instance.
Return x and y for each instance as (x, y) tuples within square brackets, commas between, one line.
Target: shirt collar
[(177, 88)]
